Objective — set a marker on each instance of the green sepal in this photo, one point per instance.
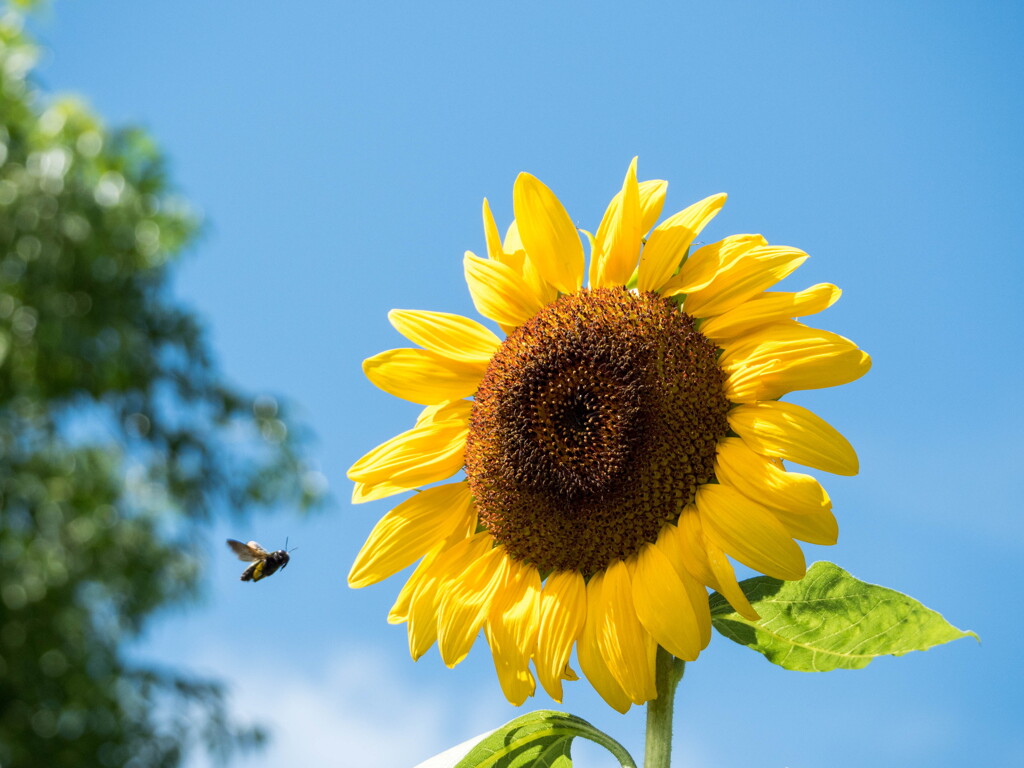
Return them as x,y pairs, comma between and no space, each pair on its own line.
830,620
541,739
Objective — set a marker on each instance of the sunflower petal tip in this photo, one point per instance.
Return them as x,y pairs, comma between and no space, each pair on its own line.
847,464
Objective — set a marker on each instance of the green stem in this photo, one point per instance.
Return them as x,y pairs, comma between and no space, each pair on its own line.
668,673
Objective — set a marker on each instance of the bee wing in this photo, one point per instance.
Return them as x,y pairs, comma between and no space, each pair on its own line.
247,552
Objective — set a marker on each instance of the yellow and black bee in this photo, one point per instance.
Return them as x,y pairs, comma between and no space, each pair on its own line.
263,563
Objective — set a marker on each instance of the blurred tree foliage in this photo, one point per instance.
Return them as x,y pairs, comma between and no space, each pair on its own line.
118,440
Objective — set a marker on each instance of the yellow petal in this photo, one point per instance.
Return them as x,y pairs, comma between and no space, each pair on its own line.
499,293
667,244
698,595
513,242
703,265
548,234
450,409
399,612
742,279
424,604
728,587
423,376
818,528
787,431
622,640
749,532
748,383
363,492
511,630
455,337
687,554
716,571
787,356
591,660
465,600
491,234
531,274
618,237
416,457
683,543
768,308
409,531
652,200
762,480
515,257
713,566
563,611
663,606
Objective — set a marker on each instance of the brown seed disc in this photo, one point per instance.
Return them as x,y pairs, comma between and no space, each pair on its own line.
593,426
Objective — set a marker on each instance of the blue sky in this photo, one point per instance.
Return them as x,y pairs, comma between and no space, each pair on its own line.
339,154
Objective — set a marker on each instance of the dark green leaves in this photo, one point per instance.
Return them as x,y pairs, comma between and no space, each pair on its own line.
830,620
540,739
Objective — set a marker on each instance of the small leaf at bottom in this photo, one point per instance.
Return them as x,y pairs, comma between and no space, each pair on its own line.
540,739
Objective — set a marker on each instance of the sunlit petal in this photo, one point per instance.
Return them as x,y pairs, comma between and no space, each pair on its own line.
548,234
456,337
788,431
668,243
499,293
409,531
563,612
618,239
423,376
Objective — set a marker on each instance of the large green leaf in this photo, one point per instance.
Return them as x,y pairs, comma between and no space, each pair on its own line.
539,740
830,620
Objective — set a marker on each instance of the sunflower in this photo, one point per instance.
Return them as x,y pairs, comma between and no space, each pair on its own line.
623,441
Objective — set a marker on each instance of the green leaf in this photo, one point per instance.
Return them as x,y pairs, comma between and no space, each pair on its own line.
555,756
830,620
540,739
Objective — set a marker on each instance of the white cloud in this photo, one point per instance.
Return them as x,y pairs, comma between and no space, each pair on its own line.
356,713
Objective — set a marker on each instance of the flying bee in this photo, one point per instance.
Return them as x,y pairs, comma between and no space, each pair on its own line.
263,563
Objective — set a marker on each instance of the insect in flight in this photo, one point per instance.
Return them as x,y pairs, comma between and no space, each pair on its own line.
263,563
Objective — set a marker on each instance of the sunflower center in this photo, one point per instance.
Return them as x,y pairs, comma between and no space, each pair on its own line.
594,424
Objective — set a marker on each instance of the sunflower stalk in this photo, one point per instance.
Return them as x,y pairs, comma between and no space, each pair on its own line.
668,672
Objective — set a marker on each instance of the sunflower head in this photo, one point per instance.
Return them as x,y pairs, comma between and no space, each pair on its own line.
594,421
620,444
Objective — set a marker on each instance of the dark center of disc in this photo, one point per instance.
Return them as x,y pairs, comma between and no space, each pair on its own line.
593,426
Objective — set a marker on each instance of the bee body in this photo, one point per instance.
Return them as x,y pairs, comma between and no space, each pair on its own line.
263,563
